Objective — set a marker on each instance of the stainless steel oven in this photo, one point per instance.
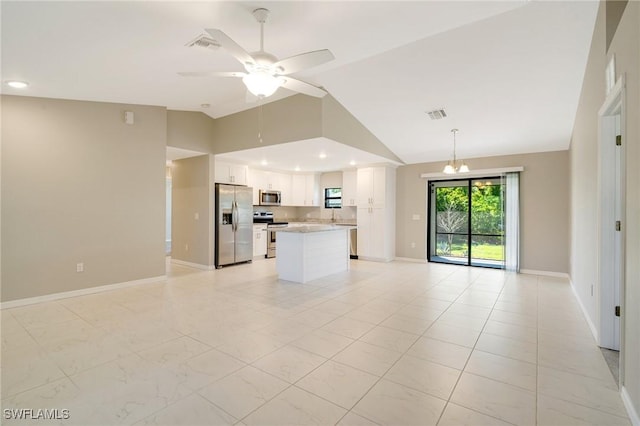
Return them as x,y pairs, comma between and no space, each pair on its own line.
270,198
271,237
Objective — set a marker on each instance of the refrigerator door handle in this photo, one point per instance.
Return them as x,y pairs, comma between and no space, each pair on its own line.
234,216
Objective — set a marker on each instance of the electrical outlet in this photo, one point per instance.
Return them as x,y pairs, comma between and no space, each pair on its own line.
196,216
186,247
415,217
308,214
80,267
413,245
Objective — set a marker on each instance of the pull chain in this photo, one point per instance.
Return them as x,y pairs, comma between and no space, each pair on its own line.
260,123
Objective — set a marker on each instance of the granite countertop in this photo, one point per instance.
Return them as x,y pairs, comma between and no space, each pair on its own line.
313,228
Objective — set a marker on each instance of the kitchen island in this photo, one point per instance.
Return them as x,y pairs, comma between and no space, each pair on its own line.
306,253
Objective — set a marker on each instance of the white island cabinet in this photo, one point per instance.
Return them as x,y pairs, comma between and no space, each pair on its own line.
306,253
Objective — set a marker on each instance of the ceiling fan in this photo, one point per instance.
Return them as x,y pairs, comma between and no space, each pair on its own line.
264,72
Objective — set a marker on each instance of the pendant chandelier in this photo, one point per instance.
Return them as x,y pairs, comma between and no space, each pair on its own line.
452,166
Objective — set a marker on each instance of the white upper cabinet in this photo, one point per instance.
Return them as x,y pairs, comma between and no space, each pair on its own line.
268,180
304,190
231,173
349,188
372,186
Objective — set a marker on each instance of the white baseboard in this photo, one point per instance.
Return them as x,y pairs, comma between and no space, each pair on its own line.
193,265
585,313
411,259
81,292
628,404
544,273
375,259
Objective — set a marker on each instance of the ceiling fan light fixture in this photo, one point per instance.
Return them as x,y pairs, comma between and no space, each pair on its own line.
261,83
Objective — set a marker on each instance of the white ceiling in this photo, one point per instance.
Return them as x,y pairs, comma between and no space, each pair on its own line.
508,73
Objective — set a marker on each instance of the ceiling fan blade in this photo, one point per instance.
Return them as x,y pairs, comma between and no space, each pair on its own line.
231,46
212,74
303,61
302,87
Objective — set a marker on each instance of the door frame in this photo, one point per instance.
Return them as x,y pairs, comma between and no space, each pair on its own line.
431,227
611,243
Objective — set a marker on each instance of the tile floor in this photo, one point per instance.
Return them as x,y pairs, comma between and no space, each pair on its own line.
397,344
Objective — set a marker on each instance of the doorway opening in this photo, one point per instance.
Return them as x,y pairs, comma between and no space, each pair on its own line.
611,233
467,222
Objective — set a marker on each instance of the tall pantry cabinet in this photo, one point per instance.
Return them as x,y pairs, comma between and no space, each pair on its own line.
376,213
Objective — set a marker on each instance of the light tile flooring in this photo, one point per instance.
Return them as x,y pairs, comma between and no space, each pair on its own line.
398,344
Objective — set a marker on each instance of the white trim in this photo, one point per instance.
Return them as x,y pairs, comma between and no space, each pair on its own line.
411,259
193,265
628,404
76,293
473,173
612,98
545,273
610,248
585,313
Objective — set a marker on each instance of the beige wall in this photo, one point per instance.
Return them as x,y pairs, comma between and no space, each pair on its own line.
192,193
341,126
583,153
190,130
80,185
290,119
544,193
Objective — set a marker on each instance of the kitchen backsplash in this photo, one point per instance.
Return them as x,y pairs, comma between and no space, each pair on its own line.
310,214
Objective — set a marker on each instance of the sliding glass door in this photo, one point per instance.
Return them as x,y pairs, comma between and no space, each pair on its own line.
466,222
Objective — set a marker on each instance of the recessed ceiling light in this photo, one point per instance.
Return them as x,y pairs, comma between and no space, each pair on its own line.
352,163
205,105
17,84
264,162
297,169
323,155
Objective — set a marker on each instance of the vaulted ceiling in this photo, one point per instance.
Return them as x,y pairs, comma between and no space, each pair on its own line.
508,73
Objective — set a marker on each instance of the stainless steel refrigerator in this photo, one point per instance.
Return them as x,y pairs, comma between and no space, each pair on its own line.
234,224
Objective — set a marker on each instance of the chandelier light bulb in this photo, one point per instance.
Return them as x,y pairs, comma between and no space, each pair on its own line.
449,169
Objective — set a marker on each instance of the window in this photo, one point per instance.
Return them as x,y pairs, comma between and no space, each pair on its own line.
332,198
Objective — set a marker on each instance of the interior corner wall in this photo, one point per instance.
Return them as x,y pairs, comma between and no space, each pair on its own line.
625,45
291,119
190,130
544,206
191,215
341,126
80,186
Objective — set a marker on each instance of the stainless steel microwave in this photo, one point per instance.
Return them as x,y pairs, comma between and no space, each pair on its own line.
270,198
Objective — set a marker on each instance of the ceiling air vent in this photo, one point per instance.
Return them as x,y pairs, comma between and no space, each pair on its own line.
204,41
437,114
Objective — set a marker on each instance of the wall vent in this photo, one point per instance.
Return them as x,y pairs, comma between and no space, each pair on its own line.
204,41
437,114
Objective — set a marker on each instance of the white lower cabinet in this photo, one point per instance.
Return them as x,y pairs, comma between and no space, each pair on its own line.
374,239
259,240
